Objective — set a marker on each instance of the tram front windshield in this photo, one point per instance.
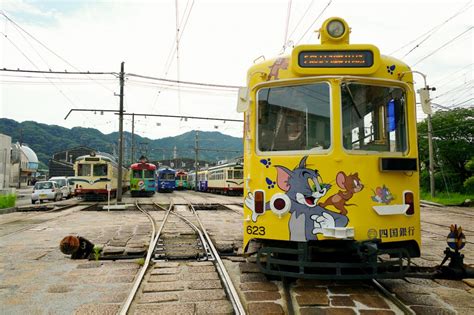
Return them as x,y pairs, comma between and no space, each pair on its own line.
294,118
373,118
298,118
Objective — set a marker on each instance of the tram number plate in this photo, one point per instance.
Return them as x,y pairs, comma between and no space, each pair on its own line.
256,230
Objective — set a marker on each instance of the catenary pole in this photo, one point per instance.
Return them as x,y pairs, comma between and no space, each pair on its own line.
120,159
132,159
196,166
426,107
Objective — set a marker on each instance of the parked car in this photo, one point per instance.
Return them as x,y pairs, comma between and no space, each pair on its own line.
65,185
47,190
72,185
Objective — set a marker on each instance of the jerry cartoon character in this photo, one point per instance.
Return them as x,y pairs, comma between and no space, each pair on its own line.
350,184
280,63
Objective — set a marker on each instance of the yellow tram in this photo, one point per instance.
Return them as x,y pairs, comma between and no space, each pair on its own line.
330,161
96,174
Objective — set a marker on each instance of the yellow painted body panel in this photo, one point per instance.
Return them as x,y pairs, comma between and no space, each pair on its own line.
260,173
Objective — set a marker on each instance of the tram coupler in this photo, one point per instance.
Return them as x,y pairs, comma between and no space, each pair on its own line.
456,269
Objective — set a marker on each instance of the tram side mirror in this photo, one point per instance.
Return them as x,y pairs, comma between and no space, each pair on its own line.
243,101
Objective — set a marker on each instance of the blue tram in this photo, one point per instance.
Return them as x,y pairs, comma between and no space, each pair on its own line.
165,179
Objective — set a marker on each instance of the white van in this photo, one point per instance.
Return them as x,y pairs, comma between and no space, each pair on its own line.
64,185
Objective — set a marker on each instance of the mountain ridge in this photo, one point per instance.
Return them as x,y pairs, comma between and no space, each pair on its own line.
46,140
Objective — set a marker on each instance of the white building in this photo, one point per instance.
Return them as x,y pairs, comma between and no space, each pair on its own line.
5,161
24,162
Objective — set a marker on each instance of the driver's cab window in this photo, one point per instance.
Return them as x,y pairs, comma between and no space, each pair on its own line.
294,118
373,117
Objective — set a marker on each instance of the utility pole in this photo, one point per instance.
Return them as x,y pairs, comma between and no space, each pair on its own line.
196,149
426,107
120,160
19,158
133,140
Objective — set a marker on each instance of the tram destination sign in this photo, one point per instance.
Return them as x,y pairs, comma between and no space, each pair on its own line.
336,59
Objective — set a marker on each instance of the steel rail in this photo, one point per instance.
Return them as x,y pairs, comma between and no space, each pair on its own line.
405,309
201,236
229,286
154,239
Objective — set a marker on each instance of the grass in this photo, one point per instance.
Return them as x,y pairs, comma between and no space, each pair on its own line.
7,201
451,199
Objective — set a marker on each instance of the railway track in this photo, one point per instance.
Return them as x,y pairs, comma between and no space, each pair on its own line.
179,248
15,226
392,298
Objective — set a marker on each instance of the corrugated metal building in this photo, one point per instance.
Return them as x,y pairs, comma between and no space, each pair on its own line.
62,162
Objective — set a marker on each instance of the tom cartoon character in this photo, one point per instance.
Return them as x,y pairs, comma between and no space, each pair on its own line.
350,184
303,189
382,195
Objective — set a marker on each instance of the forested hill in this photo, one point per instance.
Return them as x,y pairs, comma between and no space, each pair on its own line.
46,140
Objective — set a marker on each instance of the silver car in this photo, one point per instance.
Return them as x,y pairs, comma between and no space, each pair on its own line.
64,186
47,190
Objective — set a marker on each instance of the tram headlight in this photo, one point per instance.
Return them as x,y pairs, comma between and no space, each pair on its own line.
335,28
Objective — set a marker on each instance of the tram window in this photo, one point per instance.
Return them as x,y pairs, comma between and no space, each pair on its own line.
84,170
294,118
137,174
167,176
373,118
148,174
100,170
238,174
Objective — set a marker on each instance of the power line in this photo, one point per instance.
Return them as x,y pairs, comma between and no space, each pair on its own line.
442,46
58,72
432,31
43,77
169,59
301,19
459,104
18,48
455,89
47,48
127,74
317,18
183,82
175,86
287,24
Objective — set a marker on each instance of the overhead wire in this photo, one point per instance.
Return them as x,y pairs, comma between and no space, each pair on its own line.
183,82
169,59
442,46
301,19
454,89
452,73
34,65
288,15
47,48
314,22
171,55
432,31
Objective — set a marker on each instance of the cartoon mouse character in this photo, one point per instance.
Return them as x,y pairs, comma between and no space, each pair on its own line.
304,190
351,184
280,63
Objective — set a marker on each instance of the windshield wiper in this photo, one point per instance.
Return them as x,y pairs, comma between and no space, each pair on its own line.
352,99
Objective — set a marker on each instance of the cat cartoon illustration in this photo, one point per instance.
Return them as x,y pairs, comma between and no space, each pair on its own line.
382,195
303,189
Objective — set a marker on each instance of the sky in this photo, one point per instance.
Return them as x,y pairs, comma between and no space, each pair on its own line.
218,42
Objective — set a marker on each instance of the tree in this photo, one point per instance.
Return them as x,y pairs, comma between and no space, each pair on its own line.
453,147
